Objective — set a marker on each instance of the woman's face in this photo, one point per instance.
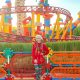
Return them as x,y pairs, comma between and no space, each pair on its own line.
38,40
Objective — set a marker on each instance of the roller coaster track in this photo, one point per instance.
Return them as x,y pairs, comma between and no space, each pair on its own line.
29,9
5,37
20,17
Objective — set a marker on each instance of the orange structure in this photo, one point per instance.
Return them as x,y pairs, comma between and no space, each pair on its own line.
66,72
2,73
26,23
67,58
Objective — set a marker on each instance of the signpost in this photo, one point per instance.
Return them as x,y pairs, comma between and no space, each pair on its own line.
21,65
66,72
66,58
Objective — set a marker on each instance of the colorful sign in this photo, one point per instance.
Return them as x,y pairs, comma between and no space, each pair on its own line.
21,65
62,72
66,58
2,73
2,59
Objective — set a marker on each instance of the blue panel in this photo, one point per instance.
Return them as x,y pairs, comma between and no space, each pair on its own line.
22,52
7,1
46,4
55,78
67,78
55,65
67,65
73,27
2,79
77,65
47,22
8,17
50,32
77,79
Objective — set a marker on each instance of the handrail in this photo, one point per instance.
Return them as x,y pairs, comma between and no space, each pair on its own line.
66,51
52,52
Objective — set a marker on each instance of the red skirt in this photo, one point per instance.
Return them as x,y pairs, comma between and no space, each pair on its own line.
40,59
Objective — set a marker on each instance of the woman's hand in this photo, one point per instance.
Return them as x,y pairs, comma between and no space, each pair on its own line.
42,54
35,61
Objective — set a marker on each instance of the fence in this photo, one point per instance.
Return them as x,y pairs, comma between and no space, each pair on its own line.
64,65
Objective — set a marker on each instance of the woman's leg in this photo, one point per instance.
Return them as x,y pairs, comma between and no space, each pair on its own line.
43,68
37,71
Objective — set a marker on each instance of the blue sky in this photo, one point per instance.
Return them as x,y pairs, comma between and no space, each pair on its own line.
72,5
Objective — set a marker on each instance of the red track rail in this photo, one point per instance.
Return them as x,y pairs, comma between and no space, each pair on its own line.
6,37
27,9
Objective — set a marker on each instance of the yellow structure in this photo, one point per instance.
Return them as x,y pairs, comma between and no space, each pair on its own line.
38,18
33,24
5,23
51,52
79,14
58,32
2,23
57,27
4,27
69,25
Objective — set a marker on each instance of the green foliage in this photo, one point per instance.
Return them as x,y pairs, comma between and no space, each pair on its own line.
56,46
76,31
17,47
65,46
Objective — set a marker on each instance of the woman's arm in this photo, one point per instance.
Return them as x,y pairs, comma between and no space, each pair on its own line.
33,54
45,48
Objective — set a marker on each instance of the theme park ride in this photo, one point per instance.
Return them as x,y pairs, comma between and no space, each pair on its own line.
31,25
18,65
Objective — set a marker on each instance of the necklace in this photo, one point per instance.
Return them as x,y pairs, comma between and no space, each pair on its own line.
39,47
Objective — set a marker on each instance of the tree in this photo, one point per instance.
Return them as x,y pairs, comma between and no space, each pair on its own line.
76,31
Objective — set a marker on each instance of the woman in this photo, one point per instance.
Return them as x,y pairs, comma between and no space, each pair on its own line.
39,50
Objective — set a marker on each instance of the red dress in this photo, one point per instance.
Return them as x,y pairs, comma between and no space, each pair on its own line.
9,78
39,50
